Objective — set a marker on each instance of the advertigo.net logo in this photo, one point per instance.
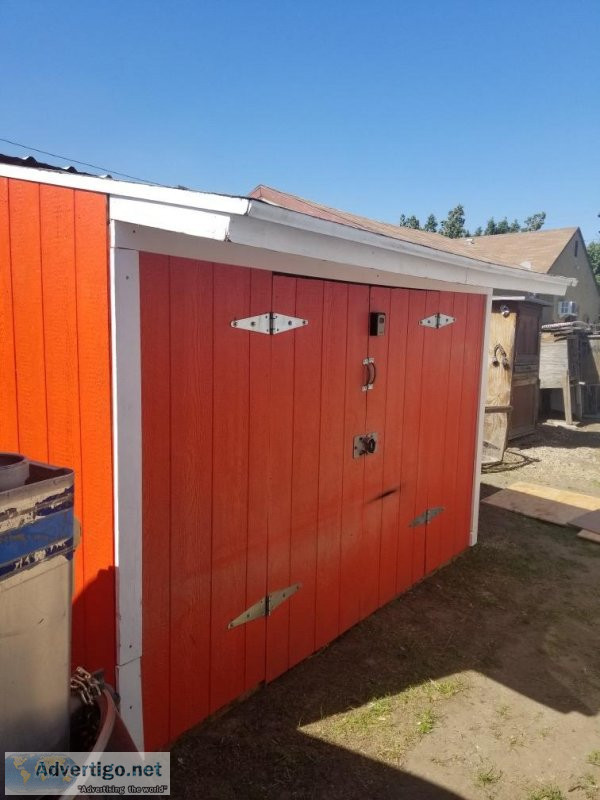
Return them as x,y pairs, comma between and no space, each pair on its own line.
87,773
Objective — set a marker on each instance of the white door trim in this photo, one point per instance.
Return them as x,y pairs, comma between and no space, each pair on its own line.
127,469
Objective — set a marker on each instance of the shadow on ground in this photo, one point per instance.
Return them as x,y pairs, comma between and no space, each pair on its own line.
552,435
520,608
512,460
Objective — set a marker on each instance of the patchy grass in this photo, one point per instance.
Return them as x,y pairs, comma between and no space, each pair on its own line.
594,758
588,785
445,688
362,719
548,792
487,776
427,721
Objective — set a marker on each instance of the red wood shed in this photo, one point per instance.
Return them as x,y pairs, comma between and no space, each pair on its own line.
273,410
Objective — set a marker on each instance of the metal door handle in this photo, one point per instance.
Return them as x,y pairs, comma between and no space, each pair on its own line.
369,363
373,373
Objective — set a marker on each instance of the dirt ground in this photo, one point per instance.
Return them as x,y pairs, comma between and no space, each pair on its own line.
556,454
481,682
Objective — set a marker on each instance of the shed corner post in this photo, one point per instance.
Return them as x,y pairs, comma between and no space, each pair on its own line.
127,460
480,419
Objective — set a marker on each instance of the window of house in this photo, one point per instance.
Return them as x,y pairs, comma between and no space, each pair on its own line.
576,247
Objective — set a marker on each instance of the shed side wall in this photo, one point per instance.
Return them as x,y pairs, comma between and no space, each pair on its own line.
55,402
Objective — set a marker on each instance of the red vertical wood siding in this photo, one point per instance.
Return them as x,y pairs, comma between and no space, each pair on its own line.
55,403
332,446
392,455
190,482
355,412
411,541
231,411
279,459
250,484
305,469
258,478
155,324
377,347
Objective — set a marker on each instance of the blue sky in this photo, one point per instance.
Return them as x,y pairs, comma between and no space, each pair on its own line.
376,107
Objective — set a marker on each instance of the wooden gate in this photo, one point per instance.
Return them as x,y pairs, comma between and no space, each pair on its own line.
254,498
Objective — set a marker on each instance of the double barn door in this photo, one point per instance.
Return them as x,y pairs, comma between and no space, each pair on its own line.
265,534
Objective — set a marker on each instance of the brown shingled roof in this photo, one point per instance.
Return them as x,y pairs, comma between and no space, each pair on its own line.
539,248
436,241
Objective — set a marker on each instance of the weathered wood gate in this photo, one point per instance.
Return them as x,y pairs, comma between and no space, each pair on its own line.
256,500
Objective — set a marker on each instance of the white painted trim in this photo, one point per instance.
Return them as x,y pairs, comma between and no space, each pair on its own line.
129,681
152,240
290,232
258,224
480,419
191,221
185,198
127,466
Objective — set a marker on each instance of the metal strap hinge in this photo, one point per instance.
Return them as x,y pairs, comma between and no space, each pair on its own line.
265,606
437,320
270,323
426,516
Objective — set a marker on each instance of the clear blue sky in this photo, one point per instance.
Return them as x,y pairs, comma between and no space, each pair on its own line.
376,107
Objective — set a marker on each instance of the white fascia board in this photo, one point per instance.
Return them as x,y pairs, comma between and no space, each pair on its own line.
184,198
274,228
191,221
153,240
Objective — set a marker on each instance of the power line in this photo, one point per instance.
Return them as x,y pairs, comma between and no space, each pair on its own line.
75,161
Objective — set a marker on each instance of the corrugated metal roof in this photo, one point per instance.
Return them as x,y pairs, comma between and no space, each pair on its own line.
30,161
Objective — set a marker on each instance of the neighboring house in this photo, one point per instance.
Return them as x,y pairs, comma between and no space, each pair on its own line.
560,251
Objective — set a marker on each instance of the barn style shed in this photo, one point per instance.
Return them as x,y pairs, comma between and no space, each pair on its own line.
274,420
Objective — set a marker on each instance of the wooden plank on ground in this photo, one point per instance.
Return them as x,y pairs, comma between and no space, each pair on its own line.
590,521
590,536
558,506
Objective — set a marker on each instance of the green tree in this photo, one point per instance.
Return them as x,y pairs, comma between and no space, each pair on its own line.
534,222
431,225
593,250
454,225
409,222
503,226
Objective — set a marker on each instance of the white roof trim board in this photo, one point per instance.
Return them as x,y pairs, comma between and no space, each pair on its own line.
257,224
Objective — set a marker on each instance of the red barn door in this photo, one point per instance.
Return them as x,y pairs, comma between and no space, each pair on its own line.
266,533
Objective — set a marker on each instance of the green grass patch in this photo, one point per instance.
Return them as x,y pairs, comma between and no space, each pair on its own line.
594,758
426,721
366,717
487,776
548,792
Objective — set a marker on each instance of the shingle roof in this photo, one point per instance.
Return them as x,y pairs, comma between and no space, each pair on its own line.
537,249
434,240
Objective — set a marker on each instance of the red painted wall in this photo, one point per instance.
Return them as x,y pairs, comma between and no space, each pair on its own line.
249,483
55,401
